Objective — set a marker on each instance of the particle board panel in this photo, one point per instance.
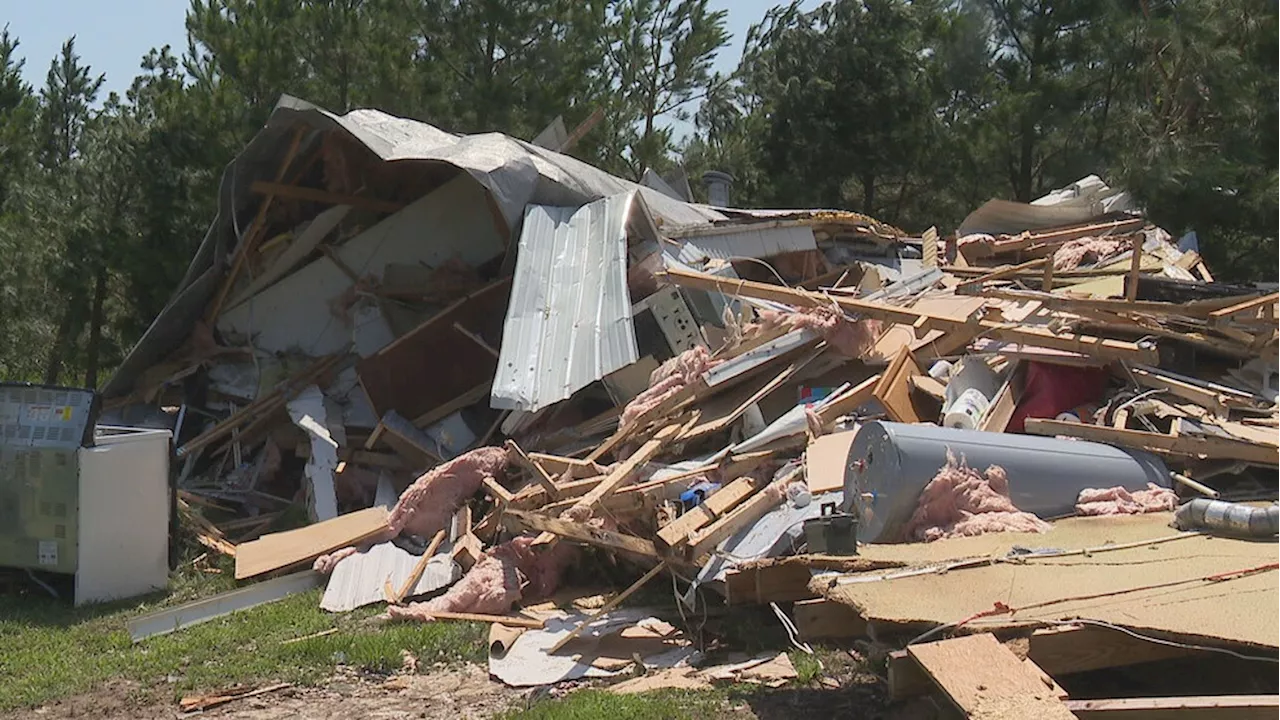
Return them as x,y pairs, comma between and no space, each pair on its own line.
285,549
825,461
986,680
427,367
1218,707
1147,583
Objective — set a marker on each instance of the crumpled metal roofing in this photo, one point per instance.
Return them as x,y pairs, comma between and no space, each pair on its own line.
515,173
569,319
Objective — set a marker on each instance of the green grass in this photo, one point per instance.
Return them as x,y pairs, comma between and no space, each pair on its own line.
657,705
50,650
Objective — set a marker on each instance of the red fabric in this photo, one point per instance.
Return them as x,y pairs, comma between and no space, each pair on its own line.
1052,389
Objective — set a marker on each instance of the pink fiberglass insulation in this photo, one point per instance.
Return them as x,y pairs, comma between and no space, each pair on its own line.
671,377
960,501
507,574
849,337
1074,253
326,563
427,505
1118,501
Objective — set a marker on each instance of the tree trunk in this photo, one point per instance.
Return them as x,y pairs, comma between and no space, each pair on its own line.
94,346
63,340
869,195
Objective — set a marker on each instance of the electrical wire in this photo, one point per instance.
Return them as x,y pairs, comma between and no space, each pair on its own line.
1161,641
793,633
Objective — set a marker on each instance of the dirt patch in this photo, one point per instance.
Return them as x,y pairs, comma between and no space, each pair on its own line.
444,694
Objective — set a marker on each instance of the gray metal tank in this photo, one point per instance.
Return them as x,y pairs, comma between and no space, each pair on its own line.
890,463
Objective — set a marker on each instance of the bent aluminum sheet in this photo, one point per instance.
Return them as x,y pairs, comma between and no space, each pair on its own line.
569,321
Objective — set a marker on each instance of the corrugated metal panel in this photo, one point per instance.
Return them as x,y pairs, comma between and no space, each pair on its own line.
569,322
751,242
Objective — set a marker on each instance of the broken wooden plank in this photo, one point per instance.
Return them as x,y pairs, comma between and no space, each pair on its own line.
848,401
984,679
419,567
704,541
1246,306
894,389
614,602
508,620
1081,648
624,471
677,532
582,532
1212,707
298,192
539,474
1214,448
1014,333
286,549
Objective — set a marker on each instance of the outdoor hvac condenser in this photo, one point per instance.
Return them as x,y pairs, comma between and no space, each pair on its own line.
82,500
890,463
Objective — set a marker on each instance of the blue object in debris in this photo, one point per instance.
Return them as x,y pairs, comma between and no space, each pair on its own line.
694,496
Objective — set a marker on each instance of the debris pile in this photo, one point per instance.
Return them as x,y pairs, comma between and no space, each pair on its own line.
525,366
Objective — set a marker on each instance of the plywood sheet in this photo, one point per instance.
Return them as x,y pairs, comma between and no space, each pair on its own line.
1156,586
986,680
285,549
825,461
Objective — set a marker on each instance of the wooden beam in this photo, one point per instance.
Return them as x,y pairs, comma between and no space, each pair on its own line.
851,400
1081,648
470,397
970,287
1135,270
1246,306
984,679
704,541
677,531
297,192
614,602
622,473
539,474
253,235
583,533
1204,397
1013,333
508,620
420,567
1213,707
1208,447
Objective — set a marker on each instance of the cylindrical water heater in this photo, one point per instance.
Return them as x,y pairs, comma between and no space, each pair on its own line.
890,463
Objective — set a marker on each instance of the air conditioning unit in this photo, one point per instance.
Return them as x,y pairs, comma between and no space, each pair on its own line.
82,500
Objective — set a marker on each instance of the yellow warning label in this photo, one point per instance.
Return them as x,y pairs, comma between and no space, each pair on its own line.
66,414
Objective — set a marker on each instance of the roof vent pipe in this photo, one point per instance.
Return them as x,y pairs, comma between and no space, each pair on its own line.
718,185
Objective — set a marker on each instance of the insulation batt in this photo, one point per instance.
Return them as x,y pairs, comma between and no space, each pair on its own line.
1072,254
850,338
960,501
429,504
1118,501
507,574
670,377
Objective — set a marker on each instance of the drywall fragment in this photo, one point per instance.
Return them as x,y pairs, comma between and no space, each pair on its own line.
308,411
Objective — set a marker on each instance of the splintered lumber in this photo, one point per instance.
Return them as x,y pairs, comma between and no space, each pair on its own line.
500,494
582,532
420,567
704,541
677,531
984,679
285,549
613,603
557,465
1212,707
1076,343
1081,648
539,474
972,286
1246,306
254,234
1207,447
894,389
508,620
623,472
1204,397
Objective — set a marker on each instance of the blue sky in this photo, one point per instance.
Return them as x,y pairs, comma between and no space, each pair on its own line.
113,35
